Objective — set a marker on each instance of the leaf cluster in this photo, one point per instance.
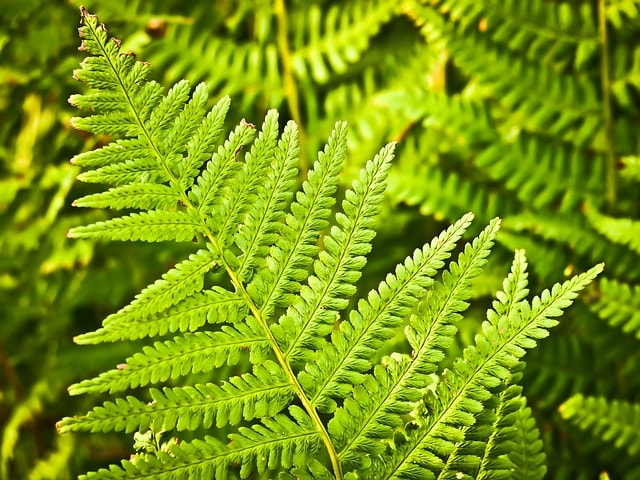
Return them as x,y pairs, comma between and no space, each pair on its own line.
270,287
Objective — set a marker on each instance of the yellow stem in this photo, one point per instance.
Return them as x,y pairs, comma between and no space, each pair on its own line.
605,71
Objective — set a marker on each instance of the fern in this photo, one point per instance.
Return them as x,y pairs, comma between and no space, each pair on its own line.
270,288
612,421
332,39
534,119
618,305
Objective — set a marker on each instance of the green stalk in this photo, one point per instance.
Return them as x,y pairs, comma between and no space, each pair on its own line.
607,115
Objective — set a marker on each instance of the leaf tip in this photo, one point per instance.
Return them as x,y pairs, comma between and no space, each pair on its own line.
60,426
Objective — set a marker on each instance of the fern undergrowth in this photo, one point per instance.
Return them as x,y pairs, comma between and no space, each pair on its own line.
268,290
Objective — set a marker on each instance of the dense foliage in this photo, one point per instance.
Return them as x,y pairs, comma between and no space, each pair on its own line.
523,110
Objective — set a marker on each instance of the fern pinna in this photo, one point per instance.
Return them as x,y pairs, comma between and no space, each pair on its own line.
269,285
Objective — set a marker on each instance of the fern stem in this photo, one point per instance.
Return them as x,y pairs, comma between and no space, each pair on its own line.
605,75
289,80
306,402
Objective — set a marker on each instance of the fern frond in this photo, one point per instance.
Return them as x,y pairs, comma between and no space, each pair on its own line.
205,194
261,225
503,443
471,457
341,364
264,393
623,231
430,332
126,172
619,305
271,283
528,457
149,226
119,151
279,442
294,249
461,393
614,421
202,143
337,37
143,196
496,426
247,187
192,353
177,284
482,454
309,319
134,160
210,306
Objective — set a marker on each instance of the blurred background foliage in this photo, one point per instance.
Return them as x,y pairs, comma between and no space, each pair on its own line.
525,110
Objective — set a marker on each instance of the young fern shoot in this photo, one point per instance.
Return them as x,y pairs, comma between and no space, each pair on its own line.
313,400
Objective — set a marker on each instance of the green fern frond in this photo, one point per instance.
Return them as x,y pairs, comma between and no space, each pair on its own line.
178,284
309,319
295,248
341,363
203,141
498,424
619,305
527,458
269,291
514,446
539,173
264,393
151,226
623,231
192,353
483,453
404,379
460,395
208,188
280,441
143,196
260,228
210,306
614,421
337,37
